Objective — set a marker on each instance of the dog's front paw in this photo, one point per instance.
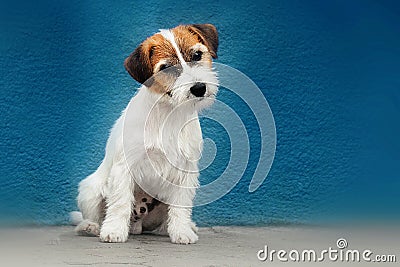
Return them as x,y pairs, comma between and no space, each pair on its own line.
113,236
188,236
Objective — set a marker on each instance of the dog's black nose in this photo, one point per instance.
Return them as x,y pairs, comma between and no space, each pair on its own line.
199,89
142,209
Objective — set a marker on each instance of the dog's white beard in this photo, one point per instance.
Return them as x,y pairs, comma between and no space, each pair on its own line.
181,89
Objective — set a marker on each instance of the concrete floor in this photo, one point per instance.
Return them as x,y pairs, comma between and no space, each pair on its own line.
217,246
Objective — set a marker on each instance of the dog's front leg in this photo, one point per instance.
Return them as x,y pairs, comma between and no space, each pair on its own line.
119,201
180,223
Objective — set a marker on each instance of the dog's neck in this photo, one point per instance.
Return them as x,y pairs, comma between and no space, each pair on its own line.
175,131
160,112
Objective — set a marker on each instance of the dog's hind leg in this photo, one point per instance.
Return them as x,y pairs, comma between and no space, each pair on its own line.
136,227
88,228
162,229
91,203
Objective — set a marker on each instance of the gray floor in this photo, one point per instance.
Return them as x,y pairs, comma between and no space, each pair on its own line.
218,246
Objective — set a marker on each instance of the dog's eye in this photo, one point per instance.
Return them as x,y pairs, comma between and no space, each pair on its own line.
197,56
163,67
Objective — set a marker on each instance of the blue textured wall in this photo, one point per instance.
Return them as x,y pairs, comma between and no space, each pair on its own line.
329,69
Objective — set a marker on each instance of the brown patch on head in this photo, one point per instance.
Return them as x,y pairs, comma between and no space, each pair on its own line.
208,36
145,61
142,62
161,49
188,36
138,63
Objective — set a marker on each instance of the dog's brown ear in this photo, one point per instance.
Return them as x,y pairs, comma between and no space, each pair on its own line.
138,64
208,35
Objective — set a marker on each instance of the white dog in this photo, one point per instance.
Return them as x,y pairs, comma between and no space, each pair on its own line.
156,143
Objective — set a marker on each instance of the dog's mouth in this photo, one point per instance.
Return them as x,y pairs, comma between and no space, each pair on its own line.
190,96
209,96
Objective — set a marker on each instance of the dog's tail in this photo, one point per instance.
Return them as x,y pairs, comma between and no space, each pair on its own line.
75,217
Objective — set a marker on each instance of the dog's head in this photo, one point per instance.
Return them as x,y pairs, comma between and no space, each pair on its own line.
177,64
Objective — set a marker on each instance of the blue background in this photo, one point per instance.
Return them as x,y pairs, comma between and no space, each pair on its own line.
330,71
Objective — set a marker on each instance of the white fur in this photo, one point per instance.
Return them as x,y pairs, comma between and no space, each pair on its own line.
155,144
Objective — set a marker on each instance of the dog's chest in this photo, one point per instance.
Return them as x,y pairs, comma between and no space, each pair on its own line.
175,142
